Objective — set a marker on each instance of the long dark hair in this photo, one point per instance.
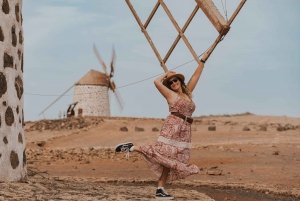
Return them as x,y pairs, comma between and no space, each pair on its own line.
184,88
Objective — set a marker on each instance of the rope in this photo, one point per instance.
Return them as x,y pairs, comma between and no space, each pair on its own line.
161,73
224,9
132,82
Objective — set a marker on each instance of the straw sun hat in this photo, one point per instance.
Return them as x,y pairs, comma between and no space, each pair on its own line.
171,75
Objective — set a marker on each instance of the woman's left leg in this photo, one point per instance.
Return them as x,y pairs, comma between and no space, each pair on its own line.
160,191
163,179
136,148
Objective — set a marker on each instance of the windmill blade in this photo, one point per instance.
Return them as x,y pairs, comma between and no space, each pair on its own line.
56,99
100,59
112,86
117,95
119,99
113,62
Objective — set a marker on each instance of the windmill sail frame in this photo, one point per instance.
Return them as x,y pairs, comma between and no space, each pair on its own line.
209,9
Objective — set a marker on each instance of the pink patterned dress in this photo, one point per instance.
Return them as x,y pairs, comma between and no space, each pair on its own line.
173,146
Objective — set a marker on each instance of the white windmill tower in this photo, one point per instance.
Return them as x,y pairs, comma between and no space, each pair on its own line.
91,92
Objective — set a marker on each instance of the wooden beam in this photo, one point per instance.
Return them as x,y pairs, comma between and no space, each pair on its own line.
147,35
152,14
236,11
213,14
179,31
229,22
179,36
214,45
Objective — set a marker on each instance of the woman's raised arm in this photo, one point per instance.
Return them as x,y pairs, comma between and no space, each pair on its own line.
195,77
165,91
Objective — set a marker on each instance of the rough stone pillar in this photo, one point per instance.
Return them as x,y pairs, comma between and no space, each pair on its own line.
12,139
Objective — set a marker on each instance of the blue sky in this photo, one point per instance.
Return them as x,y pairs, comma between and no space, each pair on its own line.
256,68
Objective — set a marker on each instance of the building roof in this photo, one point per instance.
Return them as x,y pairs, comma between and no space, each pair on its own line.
93,77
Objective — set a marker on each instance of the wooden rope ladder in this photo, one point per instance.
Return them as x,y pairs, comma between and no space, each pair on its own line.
209,9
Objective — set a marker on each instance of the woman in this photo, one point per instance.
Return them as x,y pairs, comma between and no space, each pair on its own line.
169,158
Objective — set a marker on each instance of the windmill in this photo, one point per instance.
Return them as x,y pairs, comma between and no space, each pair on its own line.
111,83
91,92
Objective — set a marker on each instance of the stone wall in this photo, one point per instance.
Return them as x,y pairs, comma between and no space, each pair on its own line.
12,139
92,99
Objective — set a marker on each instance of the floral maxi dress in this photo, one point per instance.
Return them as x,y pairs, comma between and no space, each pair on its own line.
173,146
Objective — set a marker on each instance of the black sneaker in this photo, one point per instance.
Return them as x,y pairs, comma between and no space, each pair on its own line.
163,195
124,147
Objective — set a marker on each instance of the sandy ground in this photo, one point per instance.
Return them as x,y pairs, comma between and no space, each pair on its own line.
235,164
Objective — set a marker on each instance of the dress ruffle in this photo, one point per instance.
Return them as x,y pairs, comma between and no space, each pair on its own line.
165,155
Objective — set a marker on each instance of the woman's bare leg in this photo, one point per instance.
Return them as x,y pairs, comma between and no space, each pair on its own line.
136,148
164,176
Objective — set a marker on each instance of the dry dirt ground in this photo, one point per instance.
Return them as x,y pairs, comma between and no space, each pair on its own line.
260,164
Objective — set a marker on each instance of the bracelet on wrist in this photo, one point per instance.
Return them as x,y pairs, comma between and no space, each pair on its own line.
203,61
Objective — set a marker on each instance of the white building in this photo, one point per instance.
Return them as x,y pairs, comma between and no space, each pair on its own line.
91,93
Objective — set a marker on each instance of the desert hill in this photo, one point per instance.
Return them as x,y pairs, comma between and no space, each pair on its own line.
107,131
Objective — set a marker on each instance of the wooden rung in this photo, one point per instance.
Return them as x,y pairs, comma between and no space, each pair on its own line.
213,14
